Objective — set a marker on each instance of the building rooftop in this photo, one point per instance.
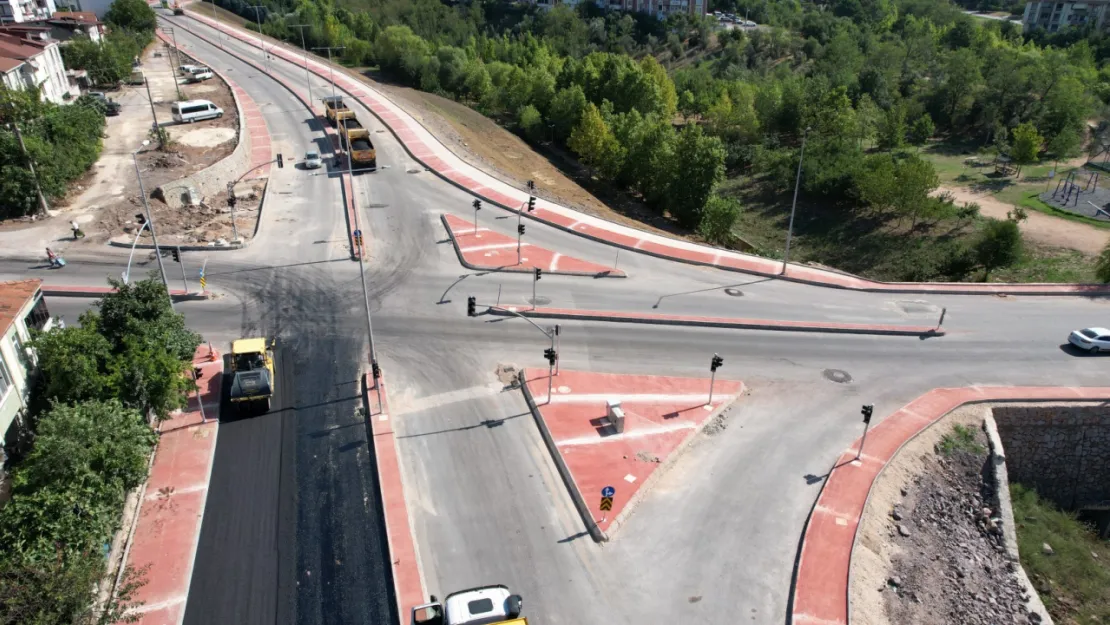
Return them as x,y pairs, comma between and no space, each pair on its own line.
85,17
14,295
7,65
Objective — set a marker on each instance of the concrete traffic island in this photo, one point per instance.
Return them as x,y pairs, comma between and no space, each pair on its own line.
482,249
598,449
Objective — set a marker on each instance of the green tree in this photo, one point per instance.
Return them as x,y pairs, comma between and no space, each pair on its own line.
1026,145
58,589
566,110
1102,265
698,165
594,142
133,15
717,220
892,128
921,130
74,365
998,245
532,123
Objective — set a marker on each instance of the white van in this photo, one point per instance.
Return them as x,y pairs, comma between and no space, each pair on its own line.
194,111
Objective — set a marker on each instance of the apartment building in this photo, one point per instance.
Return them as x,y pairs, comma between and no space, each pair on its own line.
22,310
30,58
659,8
25,10
1055,16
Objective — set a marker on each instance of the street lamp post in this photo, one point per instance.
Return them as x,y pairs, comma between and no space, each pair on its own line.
150,220
138,235
331,68
307,74
261,45
173,70
794,205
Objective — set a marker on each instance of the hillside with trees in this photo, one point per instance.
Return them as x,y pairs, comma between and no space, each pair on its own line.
693,120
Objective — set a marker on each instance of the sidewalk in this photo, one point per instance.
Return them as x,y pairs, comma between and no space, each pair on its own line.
821,575
427,150
168,525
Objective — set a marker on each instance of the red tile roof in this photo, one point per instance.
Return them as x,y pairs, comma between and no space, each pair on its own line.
14,296
7,65
87,17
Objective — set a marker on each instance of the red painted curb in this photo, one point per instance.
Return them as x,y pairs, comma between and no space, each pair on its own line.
820,593
688,253
97,291
721,322
408,581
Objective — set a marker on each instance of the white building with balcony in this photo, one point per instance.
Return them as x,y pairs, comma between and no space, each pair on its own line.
35,60
22,311
1056,16
25,10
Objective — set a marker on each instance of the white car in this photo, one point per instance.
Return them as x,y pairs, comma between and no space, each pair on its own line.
1093,340
312,160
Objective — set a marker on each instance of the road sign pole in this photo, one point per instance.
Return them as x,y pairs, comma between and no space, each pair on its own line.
200,400
712,379
181,262
866,411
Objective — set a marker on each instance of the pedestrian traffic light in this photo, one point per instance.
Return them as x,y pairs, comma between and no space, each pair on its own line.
477,205
376,369
539,272
141,218
551,355
716,362
471,306
520,229
176,253
531,203
280,162
866,412
197,372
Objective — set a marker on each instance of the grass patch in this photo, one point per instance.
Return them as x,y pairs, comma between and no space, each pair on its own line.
961,438
1073,582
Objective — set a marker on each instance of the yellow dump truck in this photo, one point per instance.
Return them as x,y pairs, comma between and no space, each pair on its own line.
335,109
252,375
486,605
356,139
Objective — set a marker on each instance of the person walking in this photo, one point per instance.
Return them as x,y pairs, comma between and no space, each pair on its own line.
77,232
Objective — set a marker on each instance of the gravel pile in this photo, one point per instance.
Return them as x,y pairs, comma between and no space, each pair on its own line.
952,567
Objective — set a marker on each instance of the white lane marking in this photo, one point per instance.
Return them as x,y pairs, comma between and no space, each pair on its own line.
555,262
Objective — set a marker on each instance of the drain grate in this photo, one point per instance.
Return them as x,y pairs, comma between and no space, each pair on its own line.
538,301
734,292
839,376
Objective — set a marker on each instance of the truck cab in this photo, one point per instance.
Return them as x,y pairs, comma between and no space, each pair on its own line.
486,605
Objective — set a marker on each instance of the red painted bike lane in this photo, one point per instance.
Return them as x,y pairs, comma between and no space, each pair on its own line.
168,525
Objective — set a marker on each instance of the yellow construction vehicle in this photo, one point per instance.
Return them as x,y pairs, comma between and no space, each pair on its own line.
252,375
486,605
335,109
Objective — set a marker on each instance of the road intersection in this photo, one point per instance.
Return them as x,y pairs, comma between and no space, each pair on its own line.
293,529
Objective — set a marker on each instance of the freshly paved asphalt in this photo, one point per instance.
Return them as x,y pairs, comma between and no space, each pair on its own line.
292,531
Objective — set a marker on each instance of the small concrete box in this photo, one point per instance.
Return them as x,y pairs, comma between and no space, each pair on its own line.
615,415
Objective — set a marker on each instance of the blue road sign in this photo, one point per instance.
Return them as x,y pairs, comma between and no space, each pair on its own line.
358,233
608,491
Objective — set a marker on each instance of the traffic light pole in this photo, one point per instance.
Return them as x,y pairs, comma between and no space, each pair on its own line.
150,221
535,279
181,262
712,380
231,205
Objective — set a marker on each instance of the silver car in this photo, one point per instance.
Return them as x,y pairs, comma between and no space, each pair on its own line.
312,160
1093,340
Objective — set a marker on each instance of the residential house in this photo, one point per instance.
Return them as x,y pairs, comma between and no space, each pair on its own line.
1056,16
25,10
61,27
96,7
22,310
32,59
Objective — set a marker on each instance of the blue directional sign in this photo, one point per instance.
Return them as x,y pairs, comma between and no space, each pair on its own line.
608,491
358,233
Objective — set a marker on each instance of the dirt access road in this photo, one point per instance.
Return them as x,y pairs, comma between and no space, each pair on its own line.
1042,229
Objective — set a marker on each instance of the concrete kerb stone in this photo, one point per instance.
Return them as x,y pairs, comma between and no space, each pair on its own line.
564,472
663,468
519,269
750,324
1006,512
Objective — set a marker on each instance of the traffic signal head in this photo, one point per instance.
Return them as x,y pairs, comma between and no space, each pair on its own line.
141,218
477,205
520,228
176,253
280,162
531,203
539,272
716,362
551,355
531,185
197,372
376,369
231,200
471,306
866,412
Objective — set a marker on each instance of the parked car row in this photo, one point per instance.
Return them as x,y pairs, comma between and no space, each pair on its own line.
732,18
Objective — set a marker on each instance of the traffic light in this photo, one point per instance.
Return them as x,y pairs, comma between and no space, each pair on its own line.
539,272
280,162
551,355
197,372
531,185
477,205
716,362
176,253
531,203
520,229
376,369
866,412
141,218
471,306
231,200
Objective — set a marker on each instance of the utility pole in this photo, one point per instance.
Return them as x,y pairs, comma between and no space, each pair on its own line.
43,206
794,205
261,45
150,220
307,74
331,68
153,114
173,72
231,205
216,18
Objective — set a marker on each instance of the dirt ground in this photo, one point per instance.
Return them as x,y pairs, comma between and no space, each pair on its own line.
107,198
926,552
1039,228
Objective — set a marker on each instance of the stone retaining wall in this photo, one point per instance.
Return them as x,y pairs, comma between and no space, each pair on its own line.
1061,451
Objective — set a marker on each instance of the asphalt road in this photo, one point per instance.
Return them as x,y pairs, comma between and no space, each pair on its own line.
292,530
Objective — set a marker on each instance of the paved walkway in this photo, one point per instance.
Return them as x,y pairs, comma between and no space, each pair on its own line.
822,573
662,416
427,150
833,327
170,514
408,579
484,249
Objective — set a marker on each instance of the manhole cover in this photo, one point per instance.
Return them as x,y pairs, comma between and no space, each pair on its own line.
734,292
837,375
917,307
539,301
377,205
